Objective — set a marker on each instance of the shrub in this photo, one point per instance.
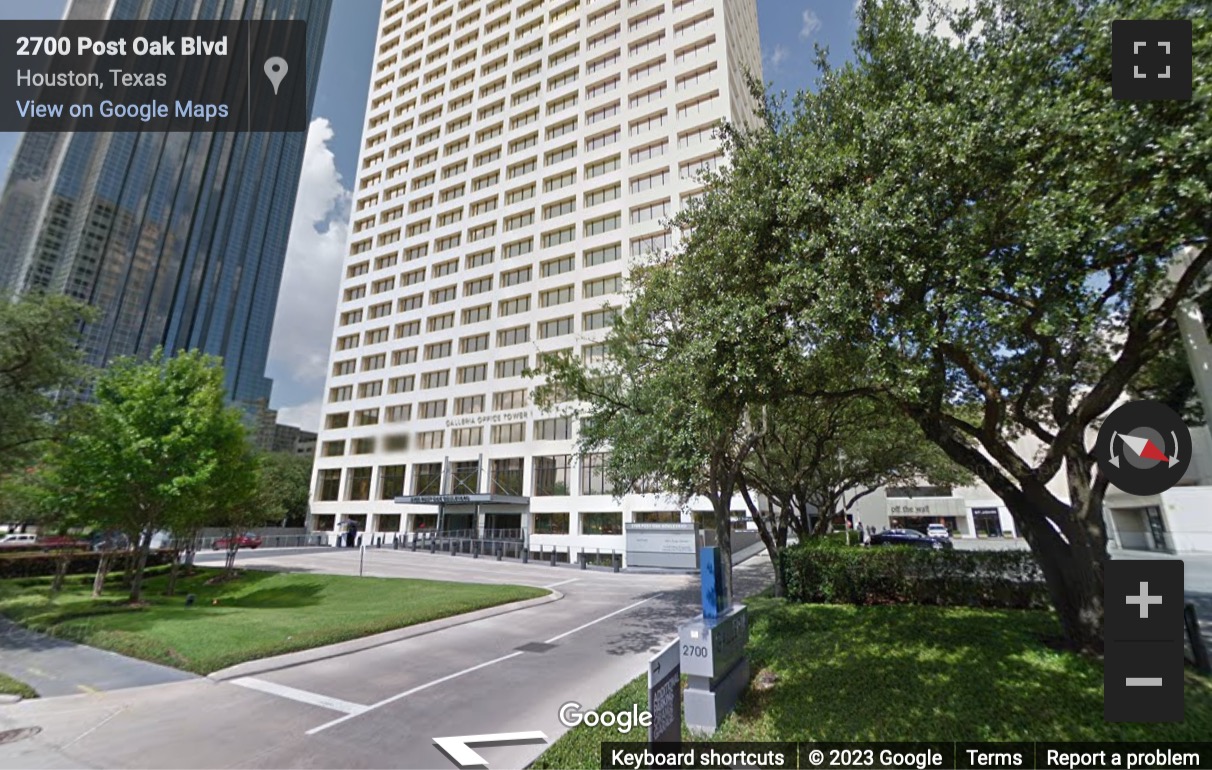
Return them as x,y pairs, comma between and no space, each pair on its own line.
38,564
823,573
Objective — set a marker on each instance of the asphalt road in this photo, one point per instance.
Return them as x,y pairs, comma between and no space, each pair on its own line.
383,706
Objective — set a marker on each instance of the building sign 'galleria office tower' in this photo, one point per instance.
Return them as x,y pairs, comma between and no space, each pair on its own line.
517,155
177,238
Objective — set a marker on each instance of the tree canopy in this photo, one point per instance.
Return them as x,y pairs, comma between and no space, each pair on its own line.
982,237
40,369
156,447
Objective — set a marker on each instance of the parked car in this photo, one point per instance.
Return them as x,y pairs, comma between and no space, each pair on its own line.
19,540
109,541
909,537
247,540
62,541
939,531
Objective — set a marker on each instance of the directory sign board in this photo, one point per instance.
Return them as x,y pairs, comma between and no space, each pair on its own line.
668,545
665,695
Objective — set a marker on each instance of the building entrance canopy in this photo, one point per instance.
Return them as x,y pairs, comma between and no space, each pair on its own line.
444,500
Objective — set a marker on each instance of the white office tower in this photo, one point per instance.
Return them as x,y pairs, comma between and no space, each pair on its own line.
518,155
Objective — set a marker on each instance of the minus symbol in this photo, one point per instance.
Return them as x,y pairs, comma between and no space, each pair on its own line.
1144,681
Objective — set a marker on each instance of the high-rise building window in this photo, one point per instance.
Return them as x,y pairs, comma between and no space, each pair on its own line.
553,429
551,523
512,367
391,481
605,523
593,475
329,484
508,399
552,475
427,478
507,476
467,437
359,483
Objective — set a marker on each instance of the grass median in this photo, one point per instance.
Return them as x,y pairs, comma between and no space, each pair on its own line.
906,673
10,686
255,616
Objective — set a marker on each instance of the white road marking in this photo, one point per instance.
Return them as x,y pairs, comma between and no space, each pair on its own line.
592,622
416,689
458,747
303,696
562,582
458,674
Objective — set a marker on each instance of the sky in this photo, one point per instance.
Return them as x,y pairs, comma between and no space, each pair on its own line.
298,354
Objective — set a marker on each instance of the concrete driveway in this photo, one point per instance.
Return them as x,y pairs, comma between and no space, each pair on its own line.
383,706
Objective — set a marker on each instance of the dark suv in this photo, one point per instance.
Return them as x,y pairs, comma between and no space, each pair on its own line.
910,537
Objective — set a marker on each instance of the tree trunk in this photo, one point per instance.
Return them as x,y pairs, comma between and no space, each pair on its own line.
768,525
140,563
824,516
172,573
62,560
1073,570
102,570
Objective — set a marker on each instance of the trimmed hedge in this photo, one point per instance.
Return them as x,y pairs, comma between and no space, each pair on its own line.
822,573
39,564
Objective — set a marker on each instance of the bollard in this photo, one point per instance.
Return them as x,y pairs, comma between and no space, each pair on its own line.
525,555
614,560
359,542
553,556
433,545
1199,650
500,551
475,549
454,547
584,561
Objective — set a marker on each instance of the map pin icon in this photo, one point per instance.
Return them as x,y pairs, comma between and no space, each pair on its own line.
275,70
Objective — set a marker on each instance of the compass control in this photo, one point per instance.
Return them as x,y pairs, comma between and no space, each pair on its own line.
1143,448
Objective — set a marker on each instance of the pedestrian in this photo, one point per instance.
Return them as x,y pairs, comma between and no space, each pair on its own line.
352,538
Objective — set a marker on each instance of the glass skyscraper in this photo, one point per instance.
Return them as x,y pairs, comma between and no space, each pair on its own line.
178,239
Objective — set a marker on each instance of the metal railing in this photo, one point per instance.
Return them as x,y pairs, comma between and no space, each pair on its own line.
311,540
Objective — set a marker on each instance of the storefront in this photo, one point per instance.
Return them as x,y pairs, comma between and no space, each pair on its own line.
919,512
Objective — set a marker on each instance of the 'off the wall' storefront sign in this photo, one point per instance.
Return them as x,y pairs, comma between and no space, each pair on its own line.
925,506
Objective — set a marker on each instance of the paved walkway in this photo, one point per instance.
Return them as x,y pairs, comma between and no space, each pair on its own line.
57,667
383,706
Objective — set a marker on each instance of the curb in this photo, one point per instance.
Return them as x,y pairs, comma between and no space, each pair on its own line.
303,657
8,699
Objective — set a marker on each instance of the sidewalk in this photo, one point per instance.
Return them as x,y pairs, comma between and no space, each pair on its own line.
57,667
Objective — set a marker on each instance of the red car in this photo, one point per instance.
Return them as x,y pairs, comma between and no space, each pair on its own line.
61,541
247,540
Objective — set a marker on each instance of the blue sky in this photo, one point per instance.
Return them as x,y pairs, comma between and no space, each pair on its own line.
302,329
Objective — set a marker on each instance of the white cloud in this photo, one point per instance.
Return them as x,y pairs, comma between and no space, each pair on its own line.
298,350
306,416
811,24
778,56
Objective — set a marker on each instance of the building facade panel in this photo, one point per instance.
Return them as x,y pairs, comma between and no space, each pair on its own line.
519,156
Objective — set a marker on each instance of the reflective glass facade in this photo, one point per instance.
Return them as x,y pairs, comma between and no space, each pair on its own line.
177,238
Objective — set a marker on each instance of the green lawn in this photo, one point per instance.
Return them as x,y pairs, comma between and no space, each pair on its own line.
10,686
258,615
896,673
